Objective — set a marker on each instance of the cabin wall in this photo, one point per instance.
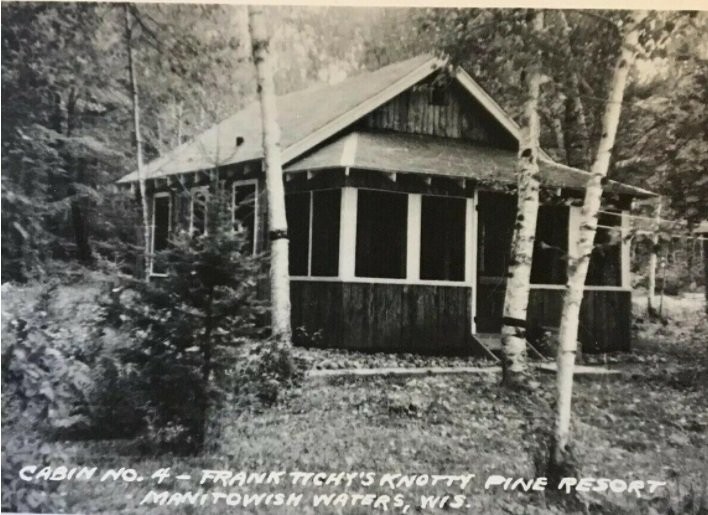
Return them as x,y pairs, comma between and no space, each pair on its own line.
460,116
605,315
379,317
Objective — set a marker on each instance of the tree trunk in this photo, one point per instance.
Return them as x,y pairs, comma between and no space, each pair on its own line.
651,288
518,284
576,155
578,263
704,257
138,142
277,222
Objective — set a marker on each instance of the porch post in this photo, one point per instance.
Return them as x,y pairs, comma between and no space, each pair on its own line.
413,237
471,256
347,233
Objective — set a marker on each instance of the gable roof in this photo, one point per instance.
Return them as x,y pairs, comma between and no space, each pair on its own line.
309,117
398,152
306,118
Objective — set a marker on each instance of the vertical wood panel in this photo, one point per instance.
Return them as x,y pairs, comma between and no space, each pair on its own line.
384,317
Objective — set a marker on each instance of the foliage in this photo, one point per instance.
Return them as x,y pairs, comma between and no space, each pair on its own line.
178,324
46,381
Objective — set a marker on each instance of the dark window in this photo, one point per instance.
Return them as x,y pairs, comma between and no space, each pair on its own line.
605,261
551,246
325,232
161,231
496,213
297,207
198,220
442,238
439,94
381,234
245,205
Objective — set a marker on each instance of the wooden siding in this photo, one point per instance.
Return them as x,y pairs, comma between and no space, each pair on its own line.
605,315
374,317
460,117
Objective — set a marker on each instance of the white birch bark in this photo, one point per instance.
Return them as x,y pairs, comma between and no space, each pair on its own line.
518,284
578,264
275,191
138,143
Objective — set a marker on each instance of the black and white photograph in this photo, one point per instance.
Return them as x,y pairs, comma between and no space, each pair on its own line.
354,259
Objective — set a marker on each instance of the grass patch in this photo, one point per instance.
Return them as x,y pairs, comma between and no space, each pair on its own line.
651,422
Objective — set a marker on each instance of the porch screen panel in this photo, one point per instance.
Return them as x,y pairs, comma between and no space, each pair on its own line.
606,260
161,231
325,233
497,212
442,238
551,246
381,232
297,211
245,212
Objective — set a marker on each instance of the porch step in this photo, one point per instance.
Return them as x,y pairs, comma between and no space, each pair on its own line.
491,341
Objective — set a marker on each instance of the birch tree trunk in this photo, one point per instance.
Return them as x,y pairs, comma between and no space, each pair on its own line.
138,142
651,289
518,284
578,263
277,222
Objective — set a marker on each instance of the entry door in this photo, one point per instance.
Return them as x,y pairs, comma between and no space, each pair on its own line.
495,225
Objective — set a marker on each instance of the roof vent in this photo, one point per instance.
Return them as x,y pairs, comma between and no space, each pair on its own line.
239,141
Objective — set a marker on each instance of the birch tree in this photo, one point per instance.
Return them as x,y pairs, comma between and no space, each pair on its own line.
275,191
580,257
133,84
518,285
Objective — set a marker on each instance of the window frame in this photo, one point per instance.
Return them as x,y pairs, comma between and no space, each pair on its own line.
347,232
404,231
192,192
256,204
155,196
310,225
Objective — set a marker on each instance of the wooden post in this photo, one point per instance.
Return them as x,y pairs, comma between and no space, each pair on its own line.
626,255
347,233
471,256
413,237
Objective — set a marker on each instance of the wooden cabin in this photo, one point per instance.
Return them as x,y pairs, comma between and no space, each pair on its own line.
400,204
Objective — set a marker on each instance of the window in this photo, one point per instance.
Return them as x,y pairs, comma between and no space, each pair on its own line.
605,262
442,238
198,211
245,211
438,94
551,246
313,228
161,222
297,211
381,234
324,259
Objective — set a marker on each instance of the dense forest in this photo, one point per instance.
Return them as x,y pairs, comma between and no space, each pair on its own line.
100,362
67,117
